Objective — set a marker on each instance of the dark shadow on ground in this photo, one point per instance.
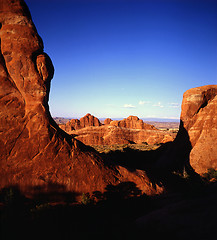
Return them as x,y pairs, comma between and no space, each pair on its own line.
168,166
52,212
121,212
108,215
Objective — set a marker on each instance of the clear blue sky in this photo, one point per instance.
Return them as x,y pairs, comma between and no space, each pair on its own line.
115,58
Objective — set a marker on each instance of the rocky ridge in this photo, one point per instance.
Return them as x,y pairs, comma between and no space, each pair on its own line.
110,135
132,122
128,130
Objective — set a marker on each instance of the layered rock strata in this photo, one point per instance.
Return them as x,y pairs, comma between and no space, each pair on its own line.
90,131
87,121
110,135
132,122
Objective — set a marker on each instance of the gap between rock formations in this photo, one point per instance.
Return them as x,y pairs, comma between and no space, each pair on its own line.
45,155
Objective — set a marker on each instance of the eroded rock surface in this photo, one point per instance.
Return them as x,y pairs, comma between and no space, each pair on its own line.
132,122
199,117
87,121
34,150
109,135
195,144
90,131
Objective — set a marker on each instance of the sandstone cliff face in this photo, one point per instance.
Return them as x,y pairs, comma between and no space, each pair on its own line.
90,131
109,135
132,122
194,146
87,121
34,150
199,108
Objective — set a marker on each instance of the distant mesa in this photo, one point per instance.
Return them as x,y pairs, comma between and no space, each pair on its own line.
132,122
90,131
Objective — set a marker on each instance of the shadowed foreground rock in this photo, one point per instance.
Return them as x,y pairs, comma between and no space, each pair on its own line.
34,150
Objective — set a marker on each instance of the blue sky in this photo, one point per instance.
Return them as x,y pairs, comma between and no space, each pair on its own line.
115,58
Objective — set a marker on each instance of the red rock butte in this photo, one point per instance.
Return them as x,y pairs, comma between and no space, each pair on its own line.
87,121
133,122
195,145
34,150
199,118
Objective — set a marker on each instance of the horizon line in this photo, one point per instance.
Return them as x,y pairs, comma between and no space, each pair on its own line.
120,118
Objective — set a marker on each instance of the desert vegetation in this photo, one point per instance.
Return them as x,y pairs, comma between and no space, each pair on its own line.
210,175
123,147
114,213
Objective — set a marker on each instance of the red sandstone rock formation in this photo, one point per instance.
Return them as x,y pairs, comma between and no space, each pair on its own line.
132,122
195,144
109,135
73,124
129,130
34,150
107,121
199,117
87,121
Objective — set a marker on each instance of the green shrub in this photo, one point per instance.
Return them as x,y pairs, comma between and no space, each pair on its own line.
86,199
11,196
210,174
